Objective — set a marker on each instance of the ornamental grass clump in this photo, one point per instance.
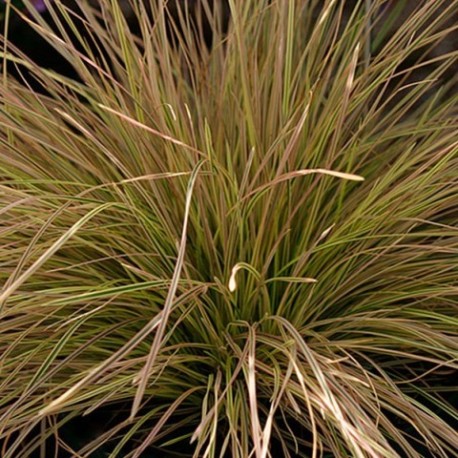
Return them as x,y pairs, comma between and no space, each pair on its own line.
241,248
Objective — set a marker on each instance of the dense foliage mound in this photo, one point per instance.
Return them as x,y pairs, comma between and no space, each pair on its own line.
230,233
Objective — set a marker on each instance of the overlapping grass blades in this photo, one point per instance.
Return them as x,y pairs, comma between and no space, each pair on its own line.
252,248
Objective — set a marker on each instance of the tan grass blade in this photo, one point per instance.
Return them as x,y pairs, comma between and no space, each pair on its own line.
49,252
143,377
151,130
252,396
301,173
